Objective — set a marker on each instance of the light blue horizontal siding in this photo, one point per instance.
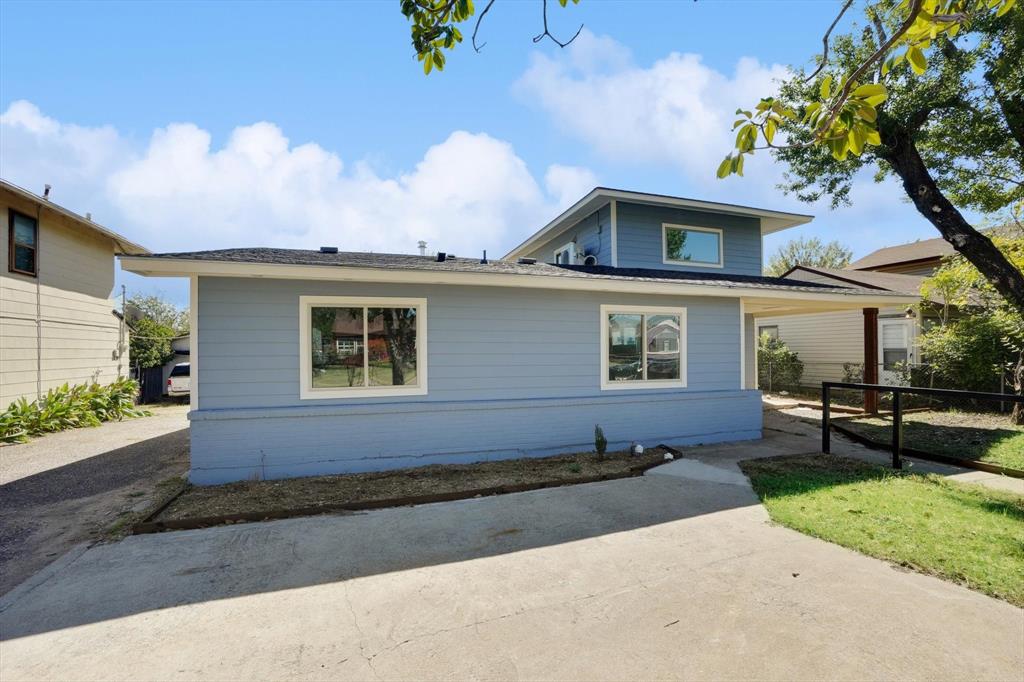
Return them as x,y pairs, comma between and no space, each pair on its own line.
592,236
511,372
638,230
285,442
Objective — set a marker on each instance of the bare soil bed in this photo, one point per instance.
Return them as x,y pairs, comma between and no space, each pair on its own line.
254,497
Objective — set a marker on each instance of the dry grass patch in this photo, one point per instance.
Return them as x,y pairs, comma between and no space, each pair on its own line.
254,497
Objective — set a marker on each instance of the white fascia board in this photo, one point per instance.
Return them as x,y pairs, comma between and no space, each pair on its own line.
771,221
176,267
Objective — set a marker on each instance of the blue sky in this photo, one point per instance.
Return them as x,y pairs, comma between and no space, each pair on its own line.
205,125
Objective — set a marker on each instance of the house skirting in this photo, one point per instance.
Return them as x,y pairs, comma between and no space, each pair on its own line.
270,443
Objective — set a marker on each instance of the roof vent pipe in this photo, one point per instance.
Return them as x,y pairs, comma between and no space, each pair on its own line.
422,245
484,259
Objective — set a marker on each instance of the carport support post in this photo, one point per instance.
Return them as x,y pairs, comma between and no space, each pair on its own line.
871,358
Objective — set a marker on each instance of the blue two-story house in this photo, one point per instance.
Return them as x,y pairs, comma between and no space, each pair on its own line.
630,310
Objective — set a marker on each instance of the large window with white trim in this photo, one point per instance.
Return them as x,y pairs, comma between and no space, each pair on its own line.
362,347
643,347
687,245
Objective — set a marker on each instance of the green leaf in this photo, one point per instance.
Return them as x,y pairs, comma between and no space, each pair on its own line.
1007,6
869,89
917,61
739,165
428,62
769,130
871,136
725,167
826,86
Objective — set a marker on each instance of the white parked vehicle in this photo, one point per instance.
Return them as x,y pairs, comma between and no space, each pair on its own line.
179,382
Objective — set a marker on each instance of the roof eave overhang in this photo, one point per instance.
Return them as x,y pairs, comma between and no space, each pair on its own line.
771,221
123,246
175,267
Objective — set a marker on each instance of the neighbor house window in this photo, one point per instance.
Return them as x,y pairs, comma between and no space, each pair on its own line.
772,331
355,347
23,240
643,347
684,245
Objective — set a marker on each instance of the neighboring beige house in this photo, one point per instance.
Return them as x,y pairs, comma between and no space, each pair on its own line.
826,342
58,322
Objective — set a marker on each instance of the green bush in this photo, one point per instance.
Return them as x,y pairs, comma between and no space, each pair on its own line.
70,407
777,366
600,442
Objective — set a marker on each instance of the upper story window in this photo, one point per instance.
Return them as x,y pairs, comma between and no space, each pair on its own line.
685,245
362,347
643,347
565,255
23,240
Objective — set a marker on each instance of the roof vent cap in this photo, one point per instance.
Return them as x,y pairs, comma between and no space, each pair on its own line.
441,256
527,261
328,249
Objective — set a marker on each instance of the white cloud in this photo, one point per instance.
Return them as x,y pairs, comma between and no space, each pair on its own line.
678,111
179,192
568,183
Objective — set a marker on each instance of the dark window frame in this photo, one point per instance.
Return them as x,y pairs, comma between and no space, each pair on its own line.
11,262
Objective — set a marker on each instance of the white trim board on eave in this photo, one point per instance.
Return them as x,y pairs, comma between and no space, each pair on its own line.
178,267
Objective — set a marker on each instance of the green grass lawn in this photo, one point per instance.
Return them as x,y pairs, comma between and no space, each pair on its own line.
969,534
984,437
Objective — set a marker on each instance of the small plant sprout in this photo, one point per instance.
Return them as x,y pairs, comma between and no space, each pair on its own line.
600,442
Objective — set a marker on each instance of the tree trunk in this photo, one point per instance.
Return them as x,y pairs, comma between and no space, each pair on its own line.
397,373
902,155
1017,415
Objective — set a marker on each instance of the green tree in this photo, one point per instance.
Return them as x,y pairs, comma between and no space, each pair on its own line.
778,367
150,343
161,311
158,321
929,91
987,337
810,252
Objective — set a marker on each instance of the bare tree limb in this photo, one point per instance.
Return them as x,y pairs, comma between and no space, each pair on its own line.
824,41
539,37
477,26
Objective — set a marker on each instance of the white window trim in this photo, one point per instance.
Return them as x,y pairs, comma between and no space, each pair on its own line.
665,227
608,385
306,390
571,246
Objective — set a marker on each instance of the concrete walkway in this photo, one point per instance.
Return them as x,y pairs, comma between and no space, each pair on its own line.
66,488
661,577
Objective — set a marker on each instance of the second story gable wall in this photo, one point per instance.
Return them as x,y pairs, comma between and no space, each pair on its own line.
639,238
592,236
58,326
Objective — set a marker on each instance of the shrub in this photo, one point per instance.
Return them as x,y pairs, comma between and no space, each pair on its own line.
600,442
777,366
70,407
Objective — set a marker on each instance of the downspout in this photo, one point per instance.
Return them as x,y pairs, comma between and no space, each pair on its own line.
39,304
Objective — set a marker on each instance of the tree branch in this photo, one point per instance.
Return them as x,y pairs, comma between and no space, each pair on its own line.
824,41
539,37
915,9
477,26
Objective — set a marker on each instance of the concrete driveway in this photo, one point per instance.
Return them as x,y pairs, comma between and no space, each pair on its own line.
660,577
66,488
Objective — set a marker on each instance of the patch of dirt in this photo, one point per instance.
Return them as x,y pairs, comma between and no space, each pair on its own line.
314,491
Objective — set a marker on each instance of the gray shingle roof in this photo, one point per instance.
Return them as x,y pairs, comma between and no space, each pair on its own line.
391,261
902,253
